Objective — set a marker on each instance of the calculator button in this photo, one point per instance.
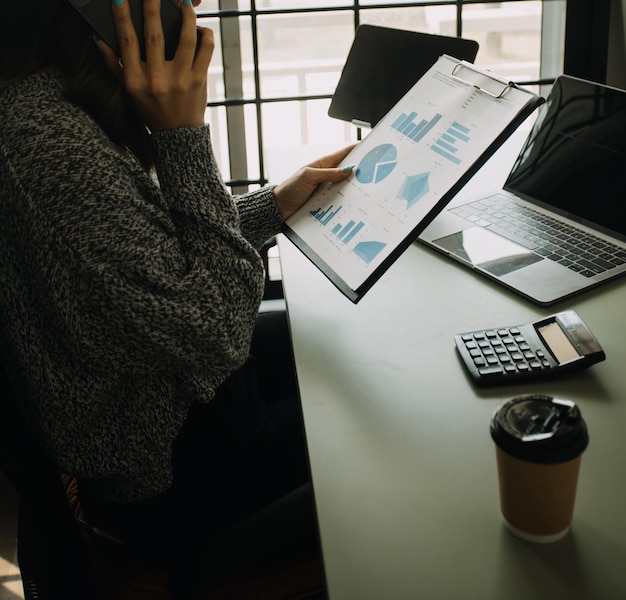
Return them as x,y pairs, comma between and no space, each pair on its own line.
516,356
535,365
487,371
479,361
491,334
523,367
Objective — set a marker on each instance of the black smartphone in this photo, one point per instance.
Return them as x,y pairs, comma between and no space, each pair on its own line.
99,15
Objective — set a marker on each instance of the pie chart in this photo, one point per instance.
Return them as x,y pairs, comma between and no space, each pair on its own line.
377,164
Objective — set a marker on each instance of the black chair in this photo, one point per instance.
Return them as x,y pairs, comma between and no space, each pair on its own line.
53,558
273,293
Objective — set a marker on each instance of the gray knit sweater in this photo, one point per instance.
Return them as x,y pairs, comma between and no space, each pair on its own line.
122,301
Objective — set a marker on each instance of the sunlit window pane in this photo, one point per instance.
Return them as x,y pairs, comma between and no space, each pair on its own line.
215,79
410,18
298,4
382,2
293,61
509,35
302,132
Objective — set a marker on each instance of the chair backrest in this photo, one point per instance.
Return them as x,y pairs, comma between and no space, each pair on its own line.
52,554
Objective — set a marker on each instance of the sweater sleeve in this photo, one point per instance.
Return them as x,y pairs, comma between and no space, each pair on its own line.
259,218
134,276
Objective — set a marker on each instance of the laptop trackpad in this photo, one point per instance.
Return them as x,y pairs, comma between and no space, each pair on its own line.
489,251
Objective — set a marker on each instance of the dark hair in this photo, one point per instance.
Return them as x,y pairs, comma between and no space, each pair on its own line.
39,34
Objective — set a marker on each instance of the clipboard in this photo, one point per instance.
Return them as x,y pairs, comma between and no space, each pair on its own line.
407,169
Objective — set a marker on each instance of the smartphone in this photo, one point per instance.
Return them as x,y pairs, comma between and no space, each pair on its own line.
99,15
550,346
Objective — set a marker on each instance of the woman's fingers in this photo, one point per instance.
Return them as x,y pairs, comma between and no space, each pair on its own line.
167,94
188,40
292,193
126,34
332,160
153,32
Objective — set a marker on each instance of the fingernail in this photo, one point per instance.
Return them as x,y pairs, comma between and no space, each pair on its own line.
118,3
187,3
347,169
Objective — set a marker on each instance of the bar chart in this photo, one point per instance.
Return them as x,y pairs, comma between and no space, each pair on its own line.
325,216
366,250
346,232
446,146
407,125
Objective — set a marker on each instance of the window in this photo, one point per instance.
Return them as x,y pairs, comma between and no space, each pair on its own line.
277,63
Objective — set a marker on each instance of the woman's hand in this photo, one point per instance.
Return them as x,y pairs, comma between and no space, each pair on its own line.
167,94
295,191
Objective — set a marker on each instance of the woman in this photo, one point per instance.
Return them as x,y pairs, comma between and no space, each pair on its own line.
131,279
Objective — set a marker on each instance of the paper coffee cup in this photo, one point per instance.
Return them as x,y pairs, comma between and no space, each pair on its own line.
539,441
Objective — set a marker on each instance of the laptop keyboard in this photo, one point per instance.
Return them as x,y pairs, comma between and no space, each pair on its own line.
574,248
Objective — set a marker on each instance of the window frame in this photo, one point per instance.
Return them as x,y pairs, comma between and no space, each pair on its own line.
585,55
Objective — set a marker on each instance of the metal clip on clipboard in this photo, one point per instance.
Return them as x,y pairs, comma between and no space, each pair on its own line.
479,79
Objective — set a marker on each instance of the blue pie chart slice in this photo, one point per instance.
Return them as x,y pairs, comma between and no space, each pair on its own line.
377,164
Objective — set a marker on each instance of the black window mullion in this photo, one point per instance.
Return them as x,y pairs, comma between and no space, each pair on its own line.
257,91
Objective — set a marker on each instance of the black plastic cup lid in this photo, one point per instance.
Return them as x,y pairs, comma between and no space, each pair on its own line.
540,429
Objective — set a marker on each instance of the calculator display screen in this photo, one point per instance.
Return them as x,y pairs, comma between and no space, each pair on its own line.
558,343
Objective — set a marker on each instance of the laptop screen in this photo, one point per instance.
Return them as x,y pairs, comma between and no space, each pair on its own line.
574,158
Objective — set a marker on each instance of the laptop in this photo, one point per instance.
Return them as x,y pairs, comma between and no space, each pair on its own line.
558,227
383,64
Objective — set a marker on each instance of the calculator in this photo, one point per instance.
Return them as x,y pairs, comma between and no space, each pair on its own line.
556,344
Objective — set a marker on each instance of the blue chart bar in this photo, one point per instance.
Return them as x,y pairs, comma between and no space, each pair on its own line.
446,145
324,216
345,230
354,231
407,126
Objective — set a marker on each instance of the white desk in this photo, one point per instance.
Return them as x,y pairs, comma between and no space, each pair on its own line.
402,461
